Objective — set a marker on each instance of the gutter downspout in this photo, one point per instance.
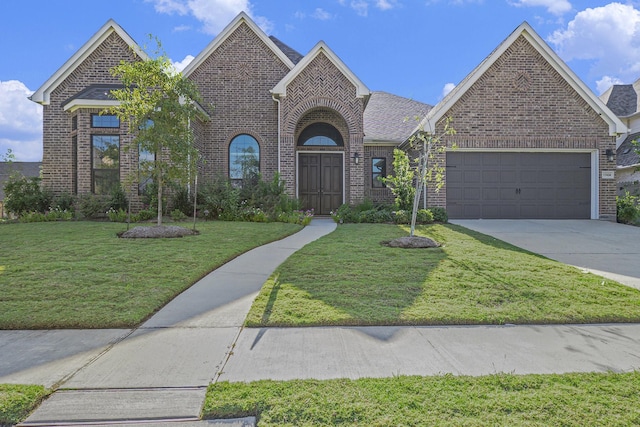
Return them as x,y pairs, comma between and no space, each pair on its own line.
277,100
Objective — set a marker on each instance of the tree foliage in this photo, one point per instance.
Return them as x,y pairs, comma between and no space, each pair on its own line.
159,104
401,183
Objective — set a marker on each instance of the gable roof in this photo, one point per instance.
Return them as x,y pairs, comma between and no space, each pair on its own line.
391,118
226,32
320,47
41,96
616,126
291,53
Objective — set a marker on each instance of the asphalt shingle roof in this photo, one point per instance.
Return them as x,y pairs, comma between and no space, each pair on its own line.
623,100
626,154
95,93
290,52
389,117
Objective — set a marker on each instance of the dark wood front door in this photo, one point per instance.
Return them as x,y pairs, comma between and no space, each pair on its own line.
320,182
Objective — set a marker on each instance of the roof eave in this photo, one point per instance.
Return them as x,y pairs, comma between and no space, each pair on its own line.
242,17
42,95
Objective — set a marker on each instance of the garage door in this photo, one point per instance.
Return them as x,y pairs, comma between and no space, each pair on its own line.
519,185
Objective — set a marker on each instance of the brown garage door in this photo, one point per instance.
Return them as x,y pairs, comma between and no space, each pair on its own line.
519,185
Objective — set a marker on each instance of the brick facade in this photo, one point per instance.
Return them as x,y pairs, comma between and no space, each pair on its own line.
522,103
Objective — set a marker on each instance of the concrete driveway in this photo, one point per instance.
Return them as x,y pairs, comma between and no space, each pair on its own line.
605,248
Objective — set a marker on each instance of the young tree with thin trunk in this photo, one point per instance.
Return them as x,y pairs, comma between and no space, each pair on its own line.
159,104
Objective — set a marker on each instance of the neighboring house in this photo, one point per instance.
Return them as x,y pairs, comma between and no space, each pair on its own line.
624,101
532,137
28,169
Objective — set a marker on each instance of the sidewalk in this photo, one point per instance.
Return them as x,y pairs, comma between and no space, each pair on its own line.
160,371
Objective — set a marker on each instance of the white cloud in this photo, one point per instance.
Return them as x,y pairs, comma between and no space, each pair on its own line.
321,14
608,35
20,122
606,82
181,28
385,4
214,14
179,66
556,7
447,88
360,6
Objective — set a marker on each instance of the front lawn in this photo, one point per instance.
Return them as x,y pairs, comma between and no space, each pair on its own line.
17,402
349,278
587,399
80,275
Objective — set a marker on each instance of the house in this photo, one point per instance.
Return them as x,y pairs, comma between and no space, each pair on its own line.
27,169
623,100
532,138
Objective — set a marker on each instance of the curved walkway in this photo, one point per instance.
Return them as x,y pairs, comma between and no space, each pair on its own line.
161,370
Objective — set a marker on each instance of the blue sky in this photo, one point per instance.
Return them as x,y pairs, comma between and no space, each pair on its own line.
418,49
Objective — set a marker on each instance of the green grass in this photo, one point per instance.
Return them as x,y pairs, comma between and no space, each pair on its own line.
531,400
80,275
17,401
349,278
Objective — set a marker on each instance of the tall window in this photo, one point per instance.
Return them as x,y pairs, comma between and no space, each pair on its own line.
244,159
145,163
378,170
105,167
104,121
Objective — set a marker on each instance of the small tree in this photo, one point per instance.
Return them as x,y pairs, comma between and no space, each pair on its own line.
159,103
401,183
428,169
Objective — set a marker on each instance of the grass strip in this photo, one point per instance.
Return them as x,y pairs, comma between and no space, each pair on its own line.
17,402
80,275
501,399
349,278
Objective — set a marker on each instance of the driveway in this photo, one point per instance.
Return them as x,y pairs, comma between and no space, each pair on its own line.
605,248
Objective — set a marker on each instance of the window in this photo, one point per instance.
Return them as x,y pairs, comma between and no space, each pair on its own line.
104,121
74,123
320,134
145,163
105,159
74,163
244,158
378,170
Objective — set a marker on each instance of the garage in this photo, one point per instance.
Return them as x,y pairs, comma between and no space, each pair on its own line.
518,185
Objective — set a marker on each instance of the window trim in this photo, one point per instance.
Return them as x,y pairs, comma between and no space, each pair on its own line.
94,115
376,183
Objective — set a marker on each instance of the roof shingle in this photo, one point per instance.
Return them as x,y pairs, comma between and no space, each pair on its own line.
391,117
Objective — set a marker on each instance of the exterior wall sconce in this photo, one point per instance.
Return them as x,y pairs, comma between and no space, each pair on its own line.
356,158
608,153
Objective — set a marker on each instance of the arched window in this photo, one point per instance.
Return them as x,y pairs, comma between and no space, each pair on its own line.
244,158
320,134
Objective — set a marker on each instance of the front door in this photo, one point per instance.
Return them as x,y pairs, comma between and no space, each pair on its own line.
320,181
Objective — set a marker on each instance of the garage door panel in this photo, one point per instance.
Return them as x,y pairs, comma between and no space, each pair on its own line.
519,185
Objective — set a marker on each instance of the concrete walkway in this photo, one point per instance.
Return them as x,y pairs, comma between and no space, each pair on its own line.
160,371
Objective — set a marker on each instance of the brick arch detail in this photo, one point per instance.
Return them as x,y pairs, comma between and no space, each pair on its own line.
308,105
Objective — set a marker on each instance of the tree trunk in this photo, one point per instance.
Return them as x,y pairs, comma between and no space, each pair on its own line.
159,200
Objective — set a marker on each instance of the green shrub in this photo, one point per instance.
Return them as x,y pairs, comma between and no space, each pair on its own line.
92,205
627,209
439,214
24,194
424,216
402,217
177,215
64,202
181,200
118,199
119,215
345,214
375,216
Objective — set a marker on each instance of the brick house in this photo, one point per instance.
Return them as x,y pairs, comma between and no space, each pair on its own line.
532,137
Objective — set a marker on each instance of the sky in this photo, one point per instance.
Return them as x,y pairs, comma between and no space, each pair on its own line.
418,49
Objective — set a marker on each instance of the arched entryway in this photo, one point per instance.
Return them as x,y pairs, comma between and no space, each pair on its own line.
321,168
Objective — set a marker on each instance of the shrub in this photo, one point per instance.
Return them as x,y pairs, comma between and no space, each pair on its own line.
220,200
439,214
177,215
181,200
345,214
118,199
24,194
119,215
64,202
401,217
92,205
376,216
627,209
143,215
424,216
